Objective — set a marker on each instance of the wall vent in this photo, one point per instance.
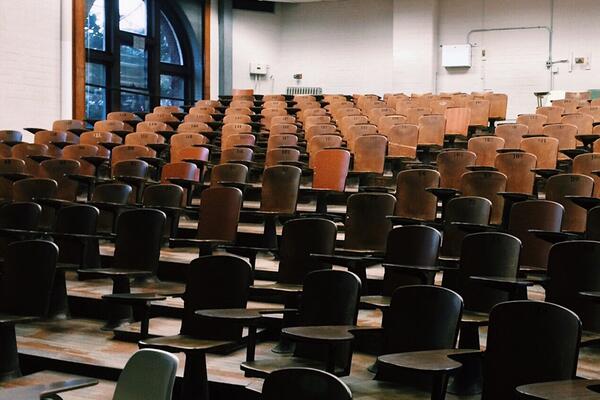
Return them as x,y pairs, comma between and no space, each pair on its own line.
293,90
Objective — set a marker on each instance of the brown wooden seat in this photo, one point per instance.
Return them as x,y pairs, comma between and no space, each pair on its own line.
585,164
240,155
224,174
283,129
153,126
534,122
11,169
192,127
342,289
58,170
279,156
414,113
562,185
32,189
282,140
536,214
110,198
403,139
431,131
553,113
134,173
356,131
566,135
486,184
167,198
583,122
183,141
413,201
320,129
480,114
386,122
512,134
26,285
137,251
321,142
24,151
457,122
54,140
238,140
498,105
485,147
130,152
369,154
572,268
219,214
528,342
112,125
452,164
184,174
546,151
439,106
74,126
330,171
237,119
212,282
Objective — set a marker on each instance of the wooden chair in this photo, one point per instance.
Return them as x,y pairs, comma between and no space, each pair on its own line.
546,151
238,140
403,139
212,282
562,185
127,117
486,184
168,199
436,313
553,113
369,154
269,113
181,141
219,214
330,171
283,129
58,170
315,120
79,152
536,214
457,122
535,122
583,122
11,170
572,268
185,175
321,129
498,105
23,298
439,106
342,288
303,383
566,135
240,155
38,189
280,156
153,126
71,125
512,134
585,164
462,210
237,119
347,122
51,139
321,142
517,166
413,201
137,251
414,113
485,148
356,131
112,125
452,164
407,247
282,140
528,342
569,105
230,129
228,173
110,199
480,114
134,173
133,380
130,152
80,252
193,127
239,110
25,152
431,131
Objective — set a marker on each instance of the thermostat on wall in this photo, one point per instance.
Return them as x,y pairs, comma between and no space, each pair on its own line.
456,56
258,69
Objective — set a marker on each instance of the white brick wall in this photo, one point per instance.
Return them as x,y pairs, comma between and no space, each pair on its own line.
30,63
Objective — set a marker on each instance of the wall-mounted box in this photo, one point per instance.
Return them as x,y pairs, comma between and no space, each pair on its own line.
258,68
456,56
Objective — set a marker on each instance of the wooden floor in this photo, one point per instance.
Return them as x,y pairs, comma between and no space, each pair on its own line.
82,341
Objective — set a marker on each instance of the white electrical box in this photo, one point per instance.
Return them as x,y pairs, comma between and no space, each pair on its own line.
258,69
456,56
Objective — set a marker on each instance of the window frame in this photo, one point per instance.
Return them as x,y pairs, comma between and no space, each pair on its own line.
111,57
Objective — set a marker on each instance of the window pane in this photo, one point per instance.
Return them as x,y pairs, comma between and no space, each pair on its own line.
170,51
133,16
95,74
95,102
172,90
133,102
134,67
94,25
95,91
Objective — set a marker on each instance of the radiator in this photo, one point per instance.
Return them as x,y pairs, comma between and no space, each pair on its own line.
293,90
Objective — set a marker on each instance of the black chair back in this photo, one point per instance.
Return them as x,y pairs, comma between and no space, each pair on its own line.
471,209
366,225
215,282
303,384
81,219
528,342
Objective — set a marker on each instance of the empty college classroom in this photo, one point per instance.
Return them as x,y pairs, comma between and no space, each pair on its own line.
299,199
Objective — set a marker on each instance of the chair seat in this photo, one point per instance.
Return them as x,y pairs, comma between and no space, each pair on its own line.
430,360
280,287
133,298
377,301
8,319
110,272
475,318
262,368
183,343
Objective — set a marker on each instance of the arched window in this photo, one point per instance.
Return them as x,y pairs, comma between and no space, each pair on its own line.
138,56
